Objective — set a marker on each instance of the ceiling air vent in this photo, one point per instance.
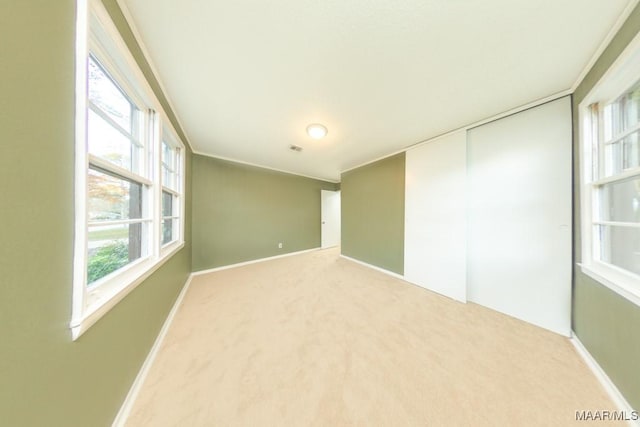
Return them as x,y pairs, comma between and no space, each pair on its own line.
295,148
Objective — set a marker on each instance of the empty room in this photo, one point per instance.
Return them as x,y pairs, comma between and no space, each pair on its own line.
319,213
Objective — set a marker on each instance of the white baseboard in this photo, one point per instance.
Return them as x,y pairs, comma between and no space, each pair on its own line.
253,261
603,378
127,405
382,270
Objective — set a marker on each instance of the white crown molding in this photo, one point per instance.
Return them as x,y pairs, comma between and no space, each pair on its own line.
504,114
229,159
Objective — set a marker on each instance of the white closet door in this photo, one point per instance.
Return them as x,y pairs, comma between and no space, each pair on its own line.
435,252
330,218
519,219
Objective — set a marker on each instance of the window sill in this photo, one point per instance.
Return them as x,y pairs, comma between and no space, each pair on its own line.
106,300
619,282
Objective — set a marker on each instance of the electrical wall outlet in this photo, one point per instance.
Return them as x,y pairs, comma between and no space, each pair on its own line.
279,245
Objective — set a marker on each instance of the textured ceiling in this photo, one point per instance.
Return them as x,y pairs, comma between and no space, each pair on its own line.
246,77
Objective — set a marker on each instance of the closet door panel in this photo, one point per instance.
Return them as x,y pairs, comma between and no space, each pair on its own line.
519,215
435,247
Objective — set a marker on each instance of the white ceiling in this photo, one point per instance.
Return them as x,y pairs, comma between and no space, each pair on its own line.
247,76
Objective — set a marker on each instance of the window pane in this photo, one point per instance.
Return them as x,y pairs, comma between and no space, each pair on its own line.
620,201
613,120
630,103
613,159
607,119
168,178
106,95
622,114
112,198
168,155
109,144
167,204
620,246
112,247
167,231
169,166
630,152
617,122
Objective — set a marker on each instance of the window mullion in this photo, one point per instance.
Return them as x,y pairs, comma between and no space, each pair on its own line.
119,222
600,165
629,173
623,135
168,167
107,166
155,145
171,191
618,224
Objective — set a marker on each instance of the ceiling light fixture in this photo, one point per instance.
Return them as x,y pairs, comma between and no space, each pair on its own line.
316,131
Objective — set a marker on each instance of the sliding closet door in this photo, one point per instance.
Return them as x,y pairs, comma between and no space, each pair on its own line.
519,217
435,216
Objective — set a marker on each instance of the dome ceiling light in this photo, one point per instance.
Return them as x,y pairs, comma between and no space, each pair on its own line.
316,131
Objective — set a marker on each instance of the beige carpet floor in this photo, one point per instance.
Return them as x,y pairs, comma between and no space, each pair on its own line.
318,340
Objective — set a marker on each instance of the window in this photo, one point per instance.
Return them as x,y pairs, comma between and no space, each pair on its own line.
610,178
117,181
129,173
171,191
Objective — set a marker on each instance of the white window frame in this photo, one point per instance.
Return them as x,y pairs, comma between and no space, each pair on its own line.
96,34
170,138
617,80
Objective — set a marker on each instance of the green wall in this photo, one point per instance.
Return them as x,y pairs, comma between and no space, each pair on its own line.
243,212
373,213
607,324
46,379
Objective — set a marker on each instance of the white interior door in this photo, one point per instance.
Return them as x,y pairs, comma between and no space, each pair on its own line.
519,215
330,216
435,216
